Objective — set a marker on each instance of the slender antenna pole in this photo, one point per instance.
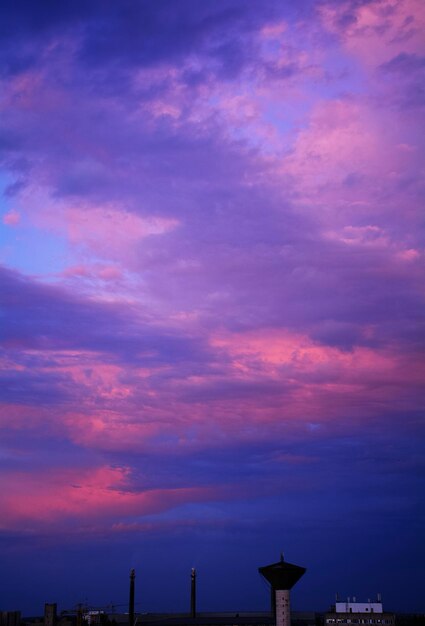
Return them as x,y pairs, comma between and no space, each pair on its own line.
193,593
131,599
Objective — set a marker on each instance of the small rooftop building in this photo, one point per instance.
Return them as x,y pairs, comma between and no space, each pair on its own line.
353,612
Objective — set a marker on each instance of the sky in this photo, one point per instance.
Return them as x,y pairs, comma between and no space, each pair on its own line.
212,301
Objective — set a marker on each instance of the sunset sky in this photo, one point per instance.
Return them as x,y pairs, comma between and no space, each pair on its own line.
212,300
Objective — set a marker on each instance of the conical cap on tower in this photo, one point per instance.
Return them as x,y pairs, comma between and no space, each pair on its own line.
282,575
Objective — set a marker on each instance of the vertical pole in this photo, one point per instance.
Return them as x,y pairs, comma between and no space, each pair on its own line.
80,615
131,599
193,593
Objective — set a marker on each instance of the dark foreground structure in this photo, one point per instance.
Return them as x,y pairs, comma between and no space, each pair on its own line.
298,618
281,576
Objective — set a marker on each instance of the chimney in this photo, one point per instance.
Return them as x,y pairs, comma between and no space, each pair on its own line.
79,615
50,614
193,593
131,599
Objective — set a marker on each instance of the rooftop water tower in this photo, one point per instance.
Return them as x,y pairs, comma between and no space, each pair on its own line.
282,576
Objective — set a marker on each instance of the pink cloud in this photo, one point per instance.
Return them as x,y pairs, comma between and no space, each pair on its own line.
49,497
11,218
339,139
344,164
94,271
323,381
273,30
377,31
110,272
108,231
121,407
76,271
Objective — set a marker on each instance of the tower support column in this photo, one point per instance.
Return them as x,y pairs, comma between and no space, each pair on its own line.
282,607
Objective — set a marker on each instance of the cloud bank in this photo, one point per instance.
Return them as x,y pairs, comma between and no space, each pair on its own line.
212,270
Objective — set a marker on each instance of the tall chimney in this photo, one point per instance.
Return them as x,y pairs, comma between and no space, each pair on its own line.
193,593
50,614
80,615
131,599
